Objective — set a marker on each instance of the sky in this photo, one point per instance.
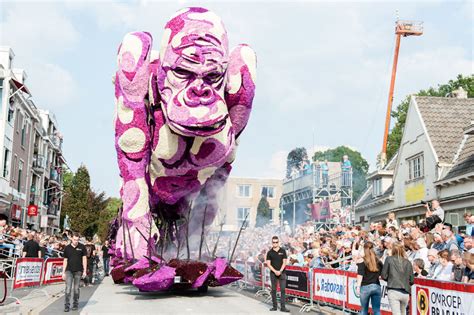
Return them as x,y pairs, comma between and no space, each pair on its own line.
323,69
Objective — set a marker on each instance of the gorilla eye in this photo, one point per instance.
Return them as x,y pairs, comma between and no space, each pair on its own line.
182,73
213,77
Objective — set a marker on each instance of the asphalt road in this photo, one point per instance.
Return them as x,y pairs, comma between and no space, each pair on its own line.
108,298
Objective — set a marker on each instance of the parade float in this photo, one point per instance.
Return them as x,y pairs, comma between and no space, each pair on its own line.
179,114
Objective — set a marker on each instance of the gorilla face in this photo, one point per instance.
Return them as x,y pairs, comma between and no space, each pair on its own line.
192,77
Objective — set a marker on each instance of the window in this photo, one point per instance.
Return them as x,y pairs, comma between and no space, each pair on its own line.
377,187
11,113
6,163
415,167
1,94
241,214
272,214
268,191
20,170
23,133
244,191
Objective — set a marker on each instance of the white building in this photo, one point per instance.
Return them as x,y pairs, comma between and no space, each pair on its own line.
435,161
30,153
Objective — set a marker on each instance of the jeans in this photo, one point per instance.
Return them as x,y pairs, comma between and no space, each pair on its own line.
106,265
372,293
282,280
73,279
398,301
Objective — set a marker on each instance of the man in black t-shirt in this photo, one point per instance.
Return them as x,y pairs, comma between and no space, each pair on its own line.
276,261
31,248
74,266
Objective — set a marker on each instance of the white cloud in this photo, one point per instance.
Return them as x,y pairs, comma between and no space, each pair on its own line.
52,86
277,165
37,30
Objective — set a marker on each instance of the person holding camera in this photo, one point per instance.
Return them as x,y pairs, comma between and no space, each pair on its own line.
74,267
434,213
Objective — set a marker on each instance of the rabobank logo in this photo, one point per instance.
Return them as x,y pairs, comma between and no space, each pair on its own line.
329,286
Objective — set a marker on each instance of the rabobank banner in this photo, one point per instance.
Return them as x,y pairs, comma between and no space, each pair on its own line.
330,286
430,297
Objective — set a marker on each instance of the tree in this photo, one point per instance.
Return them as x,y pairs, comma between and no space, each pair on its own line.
107,214
294,159
400,114
264,214
360,166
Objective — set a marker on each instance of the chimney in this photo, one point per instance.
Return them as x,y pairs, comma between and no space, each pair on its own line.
459,93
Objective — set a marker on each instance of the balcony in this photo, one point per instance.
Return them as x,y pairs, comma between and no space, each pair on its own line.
53,210
56,141
39,163
54,176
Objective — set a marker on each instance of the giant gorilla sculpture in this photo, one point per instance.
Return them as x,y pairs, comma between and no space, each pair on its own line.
179,116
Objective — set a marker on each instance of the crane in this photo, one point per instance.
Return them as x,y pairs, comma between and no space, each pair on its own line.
402,28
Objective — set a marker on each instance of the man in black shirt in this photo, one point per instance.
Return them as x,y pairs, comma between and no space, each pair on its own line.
276,261
106,257
74,266
31,248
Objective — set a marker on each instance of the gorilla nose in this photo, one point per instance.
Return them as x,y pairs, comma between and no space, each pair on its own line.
200,95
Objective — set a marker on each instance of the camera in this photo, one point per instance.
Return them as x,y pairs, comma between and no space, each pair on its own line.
427,203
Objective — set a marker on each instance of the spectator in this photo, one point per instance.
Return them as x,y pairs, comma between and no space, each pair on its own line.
392,221
90,255
445,267
458,267
434,215
433,262
368,284
438,242
419,268
398,272
450,240
325,173
31,248
469,219
468,276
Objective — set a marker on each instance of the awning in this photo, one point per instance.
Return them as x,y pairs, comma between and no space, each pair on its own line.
21,86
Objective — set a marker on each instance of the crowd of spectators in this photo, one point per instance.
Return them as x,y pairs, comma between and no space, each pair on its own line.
440,254
19,242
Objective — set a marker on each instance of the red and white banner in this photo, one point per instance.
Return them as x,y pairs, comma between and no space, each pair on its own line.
297,281
53,270
353,299
28,272
430,297
253,275
330,286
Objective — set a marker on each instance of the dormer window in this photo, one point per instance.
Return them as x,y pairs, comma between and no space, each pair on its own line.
377,187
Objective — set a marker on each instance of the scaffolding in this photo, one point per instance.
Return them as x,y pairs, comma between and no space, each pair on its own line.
317,184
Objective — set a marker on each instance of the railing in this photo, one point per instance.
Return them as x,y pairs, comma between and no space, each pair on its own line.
39,162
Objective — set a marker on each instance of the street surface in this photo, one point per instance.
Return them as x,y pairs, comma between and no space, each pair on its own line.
108,298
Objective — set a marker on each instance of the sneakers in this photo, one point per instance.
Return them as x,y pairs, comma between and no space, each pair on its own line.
285,310
66,309
74,308
273,309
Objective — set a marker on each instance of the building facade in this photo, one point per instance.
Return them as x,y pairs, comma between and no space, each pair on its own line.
435,161
240,196
31,157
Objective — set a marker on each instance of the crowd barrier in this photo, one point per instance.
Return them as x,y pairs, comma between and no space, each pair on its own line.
337,288
35,272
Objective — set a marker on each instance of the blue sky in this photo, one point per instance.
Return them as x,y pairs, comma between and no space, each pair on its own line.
323,69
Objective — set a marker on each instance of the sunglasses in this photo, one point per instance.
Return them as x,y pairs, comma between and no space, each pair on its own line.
275,242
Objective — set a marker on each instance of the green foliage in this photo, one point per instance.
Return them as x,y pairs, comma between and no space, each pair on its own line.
294,159
107,214
360,167
400,114
83,206
263,212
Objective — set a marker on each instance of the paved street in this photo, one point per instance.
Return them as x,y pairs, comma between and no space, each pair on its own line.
108,298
